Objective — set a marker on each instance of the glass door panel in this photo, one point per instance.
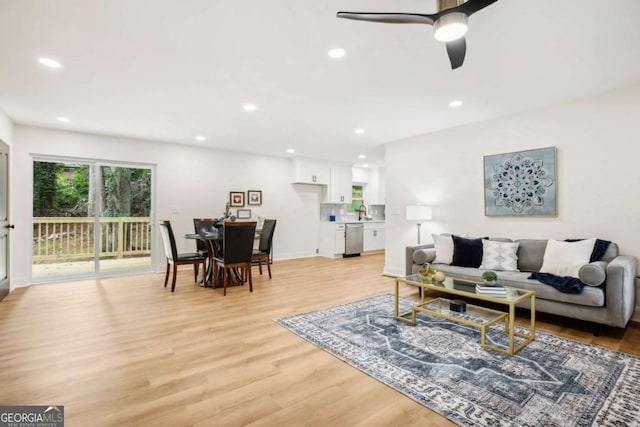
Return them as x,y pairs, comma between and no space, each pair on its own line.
125,229
63,220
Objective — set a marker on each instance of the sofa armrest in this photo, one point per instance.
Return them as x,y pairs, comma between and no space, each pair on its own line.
409,256
620,289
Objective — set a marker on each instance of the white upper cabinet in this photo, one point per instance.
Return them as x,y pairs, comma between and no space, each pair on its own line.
306,171
340,183
360,175
374,190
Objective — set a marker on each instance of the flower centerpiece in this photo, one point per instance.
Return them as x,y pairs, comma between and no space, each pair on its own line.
226,215
489,277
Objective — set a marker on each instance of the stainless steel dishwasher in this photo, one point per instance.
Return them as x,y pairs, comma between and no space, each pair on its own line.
353,239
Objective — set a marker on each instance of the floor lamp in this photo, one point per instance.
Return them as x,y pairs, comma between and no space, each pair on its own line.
418,213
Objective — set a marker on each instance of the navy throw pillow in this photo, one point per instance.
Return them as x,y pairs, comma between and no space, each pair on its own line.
467,252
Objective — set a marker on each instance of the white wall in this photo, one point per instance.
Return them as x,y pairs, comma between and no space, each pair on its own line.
6,128
191,180
598,155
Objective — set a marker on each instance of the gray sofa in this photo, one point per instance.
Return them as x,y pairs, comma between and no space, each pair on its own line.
611,303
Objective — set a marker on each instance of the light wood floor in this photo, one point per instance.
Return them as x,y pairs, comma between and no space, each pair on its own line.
125,351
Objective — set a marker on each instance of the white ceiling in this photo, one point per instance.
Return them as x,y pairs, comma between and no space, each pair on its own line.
172,69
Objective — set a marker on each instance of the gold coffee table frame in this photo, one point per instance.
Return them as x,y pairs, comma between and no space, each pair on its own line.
440,307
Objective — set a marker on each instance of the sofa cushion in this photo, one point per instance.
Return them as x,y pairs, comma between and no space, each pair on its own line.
564,259
498,255
444,248
591,296
531,254
422,256
594,273
611,252
467,252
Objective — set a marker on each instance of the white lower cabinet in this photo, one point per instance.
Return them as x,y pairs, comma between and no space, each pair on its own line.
331,239
373,237
340,240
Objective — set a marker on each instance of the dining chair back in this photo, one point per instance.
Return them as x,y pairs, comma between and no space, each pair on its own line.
174,258
263,253
169,241
201,226
237,251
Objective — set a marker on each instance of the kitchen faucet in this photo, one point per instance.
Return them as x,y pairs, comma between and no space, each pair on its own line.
362,209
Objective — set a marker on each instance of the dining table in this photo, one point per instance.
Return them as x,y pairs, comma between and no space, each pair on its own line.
213,243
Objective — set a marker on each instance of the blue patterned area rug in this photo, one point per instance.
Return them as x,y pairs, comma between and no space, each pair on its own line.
551,382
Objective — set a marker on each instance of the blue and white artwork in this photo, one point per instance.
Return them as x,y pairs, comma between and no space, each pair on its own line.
521,183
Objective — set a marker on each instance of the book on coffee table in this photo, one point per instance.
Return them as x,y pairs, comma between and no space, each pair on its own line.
495,290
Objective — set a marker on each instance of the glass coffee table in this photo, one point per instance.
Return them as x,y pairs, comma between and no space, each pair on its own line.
475,314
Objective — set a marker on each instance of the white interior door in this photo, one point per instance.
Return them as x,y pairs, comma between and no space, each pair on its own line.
5,227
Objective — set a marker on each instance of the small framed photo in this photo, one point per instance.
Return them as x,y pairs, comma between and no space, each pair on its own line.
243,214
236,199
254,197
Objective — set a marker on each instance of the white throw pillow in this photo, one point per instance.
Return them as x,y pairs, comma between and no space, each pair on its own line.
566,258
499,255
444,249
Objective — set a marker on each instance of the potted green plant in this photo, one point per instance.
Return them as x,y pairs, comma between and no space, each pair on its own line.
489,277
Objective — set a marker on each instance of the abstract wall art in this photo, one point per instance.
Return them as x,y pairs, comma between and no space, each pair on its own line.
522,183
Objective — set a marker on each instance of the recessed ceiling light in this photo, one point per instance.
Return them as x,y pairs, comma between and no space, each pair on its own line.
362,156
63,119
455,104
48,62
249,107
359,131
200,138
291,150
337,53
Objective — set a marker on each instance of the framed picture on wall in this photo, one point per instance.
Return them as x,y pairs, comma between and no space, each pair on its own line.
522,183
236,199
254,197
243,214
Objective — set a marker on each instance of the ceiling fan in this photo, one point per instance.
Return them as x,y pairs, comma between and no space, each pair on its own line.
449,23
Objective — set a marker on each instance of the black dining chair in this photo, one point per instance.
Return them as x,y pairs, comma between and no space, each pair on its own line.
176,259
263,253
203,226
237,251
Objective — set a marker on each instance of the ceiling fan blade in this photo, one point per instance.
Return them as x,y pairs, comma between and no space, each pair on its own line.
457,50
472,6
389,18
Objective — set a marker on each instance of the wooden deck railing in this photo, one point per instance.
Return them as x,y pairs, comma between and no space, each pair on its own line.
62,239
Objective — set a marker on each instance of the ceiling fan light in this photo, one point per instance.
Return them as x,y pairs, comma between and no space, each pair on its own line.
451,26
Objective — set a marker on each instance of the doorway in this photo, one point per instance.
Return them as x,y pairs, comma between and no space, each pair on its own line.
90,218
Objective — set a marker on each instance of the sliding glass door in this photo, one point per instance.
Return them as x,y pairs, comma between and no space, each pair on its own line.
90,218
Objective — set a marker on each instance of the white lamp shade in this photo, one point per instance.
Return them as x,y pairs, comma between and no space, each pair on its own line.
418,213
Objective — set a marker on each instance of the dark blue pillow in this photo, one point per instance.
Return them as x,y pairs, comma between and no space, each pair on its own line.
467,252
